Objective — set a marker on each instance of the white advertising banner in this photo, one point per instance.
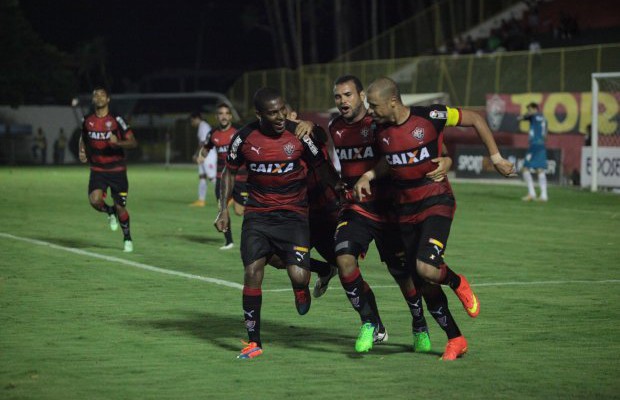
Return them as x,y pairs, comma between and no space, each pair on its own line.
608,166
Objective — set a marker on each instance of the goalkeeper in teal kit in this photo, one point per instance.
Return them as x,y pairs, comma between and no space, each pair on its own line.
536,157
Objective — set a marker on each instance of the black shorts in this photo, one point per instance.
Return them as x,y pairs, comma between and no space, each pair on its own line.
284,233
322,230
427,240
116,181
355,232
240,192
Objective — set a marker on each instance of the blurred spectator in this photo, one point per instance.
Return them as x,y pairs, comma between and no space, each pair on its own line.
39,148
60,144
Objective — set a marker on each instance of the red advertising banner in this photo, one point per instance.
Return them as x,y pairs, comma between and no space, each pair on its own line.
565,112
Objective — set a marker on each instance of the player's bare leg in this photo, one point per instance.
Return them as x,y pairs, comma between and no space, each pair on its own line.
98,203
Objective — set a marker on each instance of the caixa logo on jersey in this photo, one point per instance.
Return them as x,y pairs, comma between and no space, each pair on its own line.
99,135
355,153
222,149
408,157
272,168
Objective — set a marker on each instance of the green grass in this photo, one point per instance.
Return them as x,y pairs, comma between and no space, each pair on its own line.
77,327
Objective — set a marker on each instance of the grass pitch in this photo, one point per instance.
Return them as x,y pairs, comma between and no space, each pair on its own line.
79,319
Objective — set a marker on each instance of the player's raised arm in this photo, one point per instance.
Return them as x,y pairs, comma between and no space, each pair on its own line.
471,118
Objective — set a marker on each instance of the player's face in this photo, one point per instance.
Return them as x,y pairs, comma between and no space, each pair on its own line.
273,116
100,98
349,101
379,108
224,117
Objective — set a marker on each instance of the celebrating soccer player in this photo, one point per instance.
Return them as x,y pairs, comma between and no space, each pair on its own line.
409,138
275,219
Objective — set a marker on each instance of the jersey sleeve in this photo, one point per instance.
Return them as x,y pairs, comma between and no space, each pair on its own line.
235,159
313,155
209,143
123,128
204,132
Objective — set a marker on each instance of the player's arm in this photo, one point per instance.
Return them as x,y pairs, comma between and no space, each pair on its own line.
362,186
444,163
227,183
305,128
82,151
473,119
203,151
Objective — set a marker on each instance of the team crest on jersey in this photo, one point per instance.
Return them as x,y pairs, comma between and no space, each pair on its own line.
365,132
108,124
418,133
289,149
436,114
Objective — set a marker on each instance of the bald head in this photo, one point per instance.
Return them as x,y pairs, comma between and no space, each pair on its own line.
384,103
385,89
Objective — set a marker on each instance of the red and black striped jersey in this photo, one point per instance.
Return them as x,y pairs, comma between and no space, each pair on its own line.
355,146
96,132
277,167
322,198
409,149
221,140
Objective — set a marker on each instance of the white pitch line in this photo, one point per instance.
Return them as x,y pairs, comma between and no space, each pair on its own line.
122,261
239,286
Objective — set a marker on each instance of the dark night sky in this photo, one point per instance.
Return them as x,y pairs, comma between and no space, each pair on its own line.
144,37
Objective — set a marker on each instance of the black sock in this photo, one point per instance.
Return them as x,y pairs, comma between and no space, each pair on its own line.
437,304
449,277
354,288
414,301
123,220
252,300
372,302
228,236
320,267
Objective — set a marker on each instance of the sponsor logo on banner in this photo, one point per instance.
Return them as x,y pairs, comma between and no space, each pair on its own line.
474,162
608,165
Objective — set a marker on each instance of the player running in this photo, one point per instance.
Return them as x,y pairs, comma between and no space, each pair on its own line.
408,139
103,141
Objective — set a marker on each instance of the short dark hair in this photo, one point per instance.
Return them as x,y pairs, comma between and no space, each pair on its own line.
222,105
264,95
533,105
350,78
196,114
102,87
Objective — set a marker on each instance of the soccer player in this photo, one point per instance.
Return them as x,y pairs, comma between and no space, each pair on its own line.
204,130
536,157
103,142
409,138
220,139
276,213
360,222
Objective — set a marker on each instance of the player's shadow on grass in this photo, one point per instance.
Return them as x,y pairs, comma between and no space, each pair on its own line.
75,243
200,239
221,330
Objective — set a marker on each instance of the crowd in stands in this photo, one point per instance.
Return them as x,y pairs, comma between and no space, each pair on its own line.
516,34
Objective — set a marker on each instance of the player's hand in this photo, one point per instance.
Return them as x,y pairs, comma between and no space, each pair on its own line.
362,188
443,166
82,156
113,139
506,168
221,222
200,158
304,128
